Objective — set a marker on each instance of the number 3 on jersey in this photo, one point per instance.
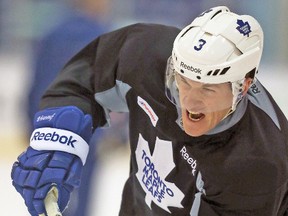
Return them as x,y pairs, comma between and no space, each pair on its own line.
202,42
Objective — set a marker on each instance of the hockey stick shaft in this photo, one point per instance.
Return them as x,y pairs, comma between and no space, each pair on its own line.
50,202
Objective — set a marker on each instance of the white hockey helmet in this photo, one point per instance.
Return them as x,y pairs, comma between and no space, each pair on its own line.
218,46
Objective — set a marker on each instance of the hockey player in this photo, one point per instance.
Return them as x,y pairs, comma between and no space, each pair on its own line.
206,137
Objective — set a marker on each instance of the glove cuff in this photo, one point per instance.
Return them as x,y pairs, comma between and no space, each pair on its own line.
55,139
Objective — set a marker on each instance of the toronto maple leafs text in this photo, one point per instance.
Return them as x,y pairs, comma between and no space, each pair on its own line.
152,181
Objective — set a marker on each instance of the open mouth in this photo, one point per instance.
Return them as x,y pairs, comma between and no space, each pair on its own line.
195,116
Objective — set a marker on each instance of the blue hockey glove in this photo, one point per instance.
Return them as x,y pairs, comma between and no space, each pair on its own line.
57,152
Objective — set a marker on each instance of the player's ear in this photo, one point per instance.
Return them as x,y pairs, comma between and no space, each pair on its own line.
246,85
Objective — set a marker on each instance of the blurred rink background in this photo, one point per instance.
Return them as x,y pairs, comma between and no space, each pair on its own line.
24,22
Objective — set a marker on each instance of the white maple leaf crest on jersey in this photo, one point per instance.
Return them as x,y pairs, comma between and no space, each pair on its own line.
152,171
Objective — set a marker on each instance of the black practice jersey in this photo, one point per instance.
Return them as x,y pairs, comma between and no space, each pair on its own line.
238,168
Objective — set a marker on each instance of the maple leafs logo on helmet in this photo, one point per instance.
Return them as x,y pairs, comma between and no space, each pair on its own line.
243,27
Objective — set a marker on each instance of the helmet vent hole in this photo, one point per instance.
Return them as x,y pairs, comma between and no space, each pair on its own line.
181,71
187,31
216,14
198,77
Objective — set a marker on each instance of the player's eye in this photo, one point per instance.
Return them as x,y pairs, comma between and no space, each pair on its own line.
209,89
182,80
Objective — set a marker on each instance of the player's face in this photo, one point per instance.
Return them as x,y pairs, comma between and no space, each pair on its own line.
203,105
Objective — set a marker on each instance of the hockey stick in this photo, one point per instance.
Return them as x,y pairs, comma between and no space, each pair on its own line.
50,202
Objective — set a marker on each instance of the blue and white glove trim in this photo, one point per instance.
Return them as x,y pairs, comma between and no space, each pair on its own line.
55,139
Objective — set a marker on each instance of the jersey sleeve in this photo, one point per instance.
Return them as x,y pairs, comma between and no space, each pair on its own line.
76,83
101,67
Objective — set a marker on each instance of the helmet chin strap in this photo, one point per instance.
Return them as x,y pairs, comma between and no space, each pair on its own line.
237,91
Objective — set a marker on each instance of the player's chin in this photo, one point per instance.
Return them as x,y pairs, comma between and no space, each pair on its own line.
194,132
